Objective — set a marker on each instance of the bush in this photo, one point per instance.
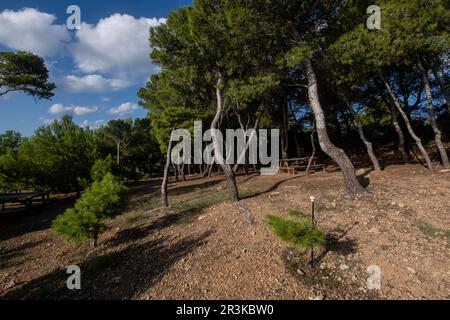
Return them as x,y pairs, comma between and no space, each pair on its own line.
103,199
301,234
101,168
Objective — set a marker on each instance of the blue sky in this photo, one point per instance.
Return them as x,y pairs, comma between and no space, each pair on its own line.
97,69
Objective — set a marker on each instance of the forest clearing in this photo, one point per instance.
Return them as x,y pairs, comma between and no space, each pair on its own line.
202,247
225,150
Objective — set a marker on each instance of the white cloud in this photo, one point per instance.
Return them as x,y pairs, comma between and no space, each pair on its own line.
91,83
124,108
92,124
31,30
116,45
59,108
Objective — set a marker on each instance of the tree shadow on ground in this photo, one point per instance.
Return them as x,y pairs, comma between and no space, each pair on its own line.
14,224
201,184
272,188
121,275
13,254
334,243
143,231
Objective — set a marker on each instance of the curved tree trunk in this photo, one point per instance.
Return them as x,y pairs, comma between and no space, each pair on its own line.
408,125
369,147
433,121
338,155
231,179
401,137
165,181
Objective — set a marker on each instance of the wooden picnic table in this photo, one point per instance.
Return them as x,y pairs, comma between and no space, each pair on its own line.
292,166
24,198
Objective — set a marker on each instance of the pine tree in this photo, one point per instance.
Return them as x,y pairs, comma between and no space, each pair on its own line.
300,233
102,200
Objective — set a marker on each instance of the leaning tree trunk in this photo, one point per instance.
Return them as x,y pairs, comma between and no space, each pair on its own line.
231,179
313,154
408,125
369,147
445,91
165,182
433,121
401,137
338,155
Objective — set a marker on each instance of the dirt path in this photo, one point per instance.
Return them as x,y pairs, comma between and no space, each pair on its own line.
203,249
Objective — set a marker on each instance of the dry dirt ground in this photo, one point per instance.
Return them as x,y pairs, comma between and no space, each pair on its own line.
202,248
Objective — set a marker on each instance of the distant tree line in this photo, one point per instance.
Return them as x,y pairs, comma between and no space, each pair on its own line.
60,156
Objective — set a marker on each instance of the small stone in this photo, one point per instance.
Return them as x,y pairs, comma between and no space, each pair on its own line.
234,221
411,270
319,297
301,272
401,205
344,267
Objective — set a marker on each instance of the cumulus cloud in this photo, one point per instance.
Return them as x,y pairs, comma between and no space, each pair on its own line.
124,108
115,45
110,55
59,108
91,83
31,30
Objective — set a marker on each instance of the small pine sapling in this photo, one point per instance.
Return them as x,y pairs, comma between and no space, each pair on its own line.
103,199
301,233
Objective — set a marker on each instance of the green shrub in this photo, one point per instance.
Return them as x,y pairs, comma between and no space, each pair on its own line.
301,234
101,168
103,199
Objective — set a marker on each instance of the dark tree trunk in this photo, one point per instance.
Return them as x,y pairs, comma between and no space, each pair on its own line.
445,91
165,181
408,125
338,155
231,179
313,154
433,121
94,235
285,132
297,145
175,172
369,147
